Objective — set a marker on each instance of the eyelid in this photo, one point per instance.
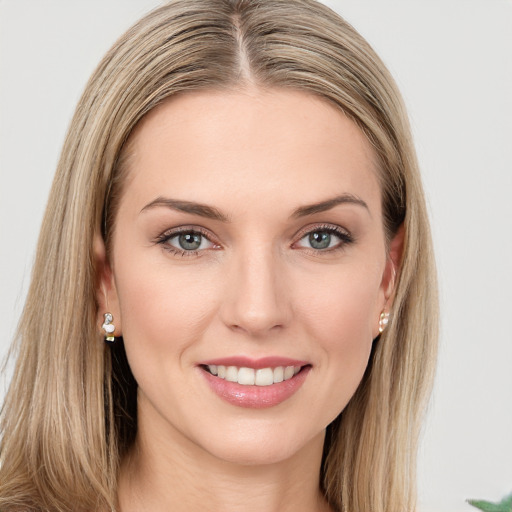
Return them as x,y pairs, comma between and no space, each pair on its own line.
321,226
342,233
172,232
186,228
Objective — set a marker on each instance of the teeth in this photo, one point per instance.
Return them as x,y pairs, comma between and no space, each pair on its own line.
251,377
288,372
279,374
264,377
232,374
246,376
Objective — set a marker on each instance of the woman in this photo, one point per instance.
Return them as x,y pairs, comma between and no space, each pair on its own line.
241,219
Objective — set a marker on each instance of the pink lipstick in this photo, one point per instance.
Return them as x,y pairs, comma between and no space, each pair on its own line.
255,383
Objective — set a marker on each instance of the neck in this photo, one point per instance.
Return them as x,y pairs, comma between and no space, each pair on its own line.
170,472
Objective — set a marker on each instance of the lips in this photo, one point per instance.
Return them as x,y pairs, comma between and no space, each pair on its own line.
258,383
252,376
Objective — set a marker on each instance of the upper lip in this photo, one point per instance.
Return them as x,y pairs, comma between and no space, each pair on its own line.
248,362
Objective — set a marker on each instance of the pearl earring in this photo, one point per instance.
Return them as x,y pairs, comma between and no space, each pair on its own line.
383,321
109,328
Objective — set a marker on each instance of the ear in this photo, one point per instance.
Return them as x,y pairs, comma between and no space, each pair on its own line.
106,293
396,248
389,276
392,269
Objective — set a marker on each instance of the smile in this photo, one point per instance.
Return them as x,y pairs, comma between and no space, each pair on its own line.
253,376
261,383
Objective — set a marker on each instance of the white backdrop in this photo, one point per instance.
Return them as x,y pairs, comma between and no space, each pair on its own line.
453,62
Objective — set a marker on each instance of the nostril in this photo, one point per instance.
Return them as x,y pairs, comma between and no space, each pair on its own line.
255,328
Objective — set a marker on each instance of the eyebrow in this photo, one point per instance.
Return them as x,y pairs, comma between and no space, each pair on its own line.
202,210
328,204
210,212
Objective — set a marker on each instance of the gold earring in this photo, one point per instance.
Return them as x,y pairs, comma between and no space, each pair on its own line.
383,321
109,328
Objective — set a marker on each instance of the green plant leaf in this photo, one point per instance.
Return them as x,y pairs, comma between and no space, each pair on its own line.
505,505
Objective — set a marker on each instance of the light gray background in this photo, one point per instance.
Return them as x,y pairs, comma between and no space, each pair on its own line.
453,62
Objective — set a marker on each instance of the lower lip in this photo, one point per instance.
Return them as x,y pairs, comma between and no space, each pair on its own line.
256,397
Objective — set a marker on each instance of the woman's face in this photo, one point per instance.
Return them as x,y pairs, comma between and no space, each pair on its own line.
249,235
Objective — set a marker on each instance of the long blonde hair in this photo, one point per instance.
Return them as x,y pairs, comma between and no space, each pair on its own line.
70,412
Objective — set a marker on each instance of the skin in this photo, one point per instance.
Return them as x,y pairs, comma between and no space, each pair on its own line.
256,288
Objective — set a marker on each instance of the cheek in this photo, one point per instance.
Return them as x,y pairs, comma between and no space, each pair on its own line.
163,311
342,305
341,316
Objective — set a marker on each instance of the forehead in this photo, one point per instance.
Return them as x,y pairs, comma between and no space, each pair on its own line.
213,145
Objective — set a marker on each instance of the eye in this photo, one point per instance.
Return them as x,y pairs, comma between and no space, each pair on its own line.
191,241
320,239
185,242
325,238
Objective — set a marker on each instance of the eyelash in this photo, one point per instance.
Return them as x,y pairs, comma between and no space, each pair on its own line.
344,236
345,239
164,238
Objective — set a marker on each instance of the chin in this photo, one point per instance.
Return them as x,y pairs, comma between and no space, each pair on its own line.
260,446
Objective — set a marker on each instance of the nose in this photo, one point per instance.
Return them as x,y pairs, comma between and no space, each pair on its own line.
256,300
